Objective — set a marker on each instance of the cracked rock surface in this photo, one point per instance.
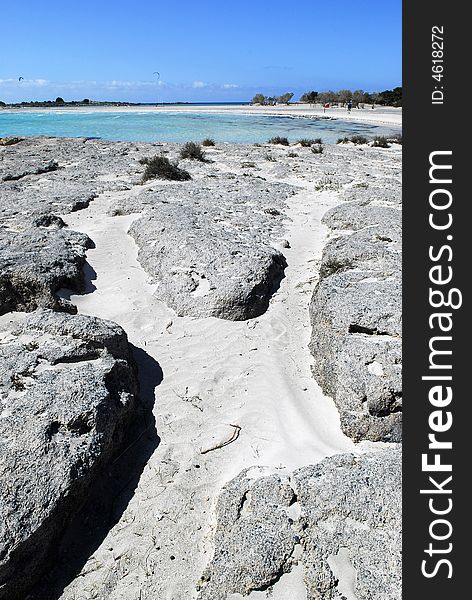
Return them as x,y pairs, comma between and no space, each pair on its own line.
356,314
67,385
346,506
41,178
36,263
254,537
207,245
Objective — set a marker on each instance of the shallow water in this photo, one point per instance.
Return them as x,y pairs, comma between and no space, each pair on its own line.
179,127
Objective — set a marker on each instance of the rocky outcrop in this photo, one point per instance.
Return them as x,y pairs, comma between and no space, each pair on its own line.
207,243
37,168
341,519
254,538
57,176
356,319
36,263
207,246
68,386
351,519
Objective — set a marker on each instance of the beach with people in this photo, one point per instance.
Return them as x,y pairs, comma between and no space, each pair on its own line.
380,115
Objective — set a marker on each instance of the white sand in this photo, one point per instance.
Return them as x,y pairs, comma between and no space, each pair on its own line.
387,116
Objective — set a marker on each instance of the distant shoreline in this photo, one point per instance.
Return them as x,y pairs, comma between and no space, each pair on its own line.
379,116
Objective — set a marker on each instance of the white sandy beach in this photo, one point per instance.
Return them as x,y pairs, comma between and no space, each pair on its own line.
380,115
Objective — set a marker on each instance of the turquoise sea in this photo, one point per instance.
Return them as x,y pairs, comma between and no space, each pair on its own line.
177,126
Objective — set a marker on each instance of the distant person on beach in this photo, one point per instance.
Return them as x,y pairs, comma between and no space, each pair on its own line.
349,106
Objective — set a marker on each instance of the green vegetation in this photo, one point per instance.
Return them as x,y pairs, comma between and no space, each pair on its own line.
326,183
160,167
208,142
355,139
317,149
283,141
272,100
396,139
309,97
391,97
192,151
306,142
358,97
380,141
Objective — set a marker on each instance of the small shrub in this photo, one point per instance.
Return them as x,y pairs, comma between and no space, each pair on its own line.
270,158
317,149
283,141
333,265
192,151
326,183
396,139
380,141
160,167
116,212
248,165
355,139
208,142
306,142
359,139
292,154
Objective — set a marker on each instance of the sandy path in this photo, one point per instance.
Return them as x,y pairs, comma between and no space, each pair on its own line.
254,374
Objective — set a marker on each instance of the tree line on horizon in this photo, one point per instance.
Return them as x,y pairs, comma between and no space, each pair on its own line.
357,97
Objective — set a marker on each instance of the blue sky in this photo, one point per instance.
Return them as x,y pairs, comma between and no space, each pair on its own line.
204,51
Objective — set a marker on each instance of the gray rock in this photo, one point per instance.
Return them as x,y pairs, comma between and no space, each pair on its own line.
60,175
254,537
68,386
376,248
356,216
206,245
345,508
37,168
351,510
356,319
35,263
386,190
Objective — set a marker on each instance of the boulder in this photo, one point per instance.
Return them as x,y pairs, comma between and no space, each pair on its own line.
36,263
351,518
356,216
340,519
208,246
254,538
68,386
356,318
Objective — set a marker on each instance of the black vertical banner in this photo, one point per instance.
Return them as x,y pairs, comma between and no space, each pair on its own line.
437,332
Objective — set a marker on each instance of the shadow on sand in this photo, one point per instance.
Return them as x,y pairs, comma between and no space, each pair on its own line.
90,275
112,491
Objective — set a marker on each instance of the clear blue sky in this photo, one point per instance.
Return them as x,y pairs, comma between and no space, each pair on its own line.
204,51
